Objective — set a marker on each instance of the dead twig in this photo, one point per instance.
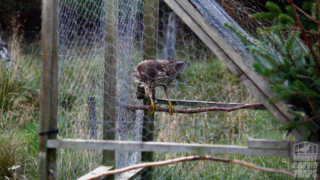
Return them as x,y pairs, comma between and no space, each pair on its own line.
267,79
304,77
306,14
310,104
189,111
190,158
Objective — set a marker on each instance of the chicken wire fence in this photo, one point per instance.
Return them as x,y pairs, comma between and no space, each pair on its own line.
82,51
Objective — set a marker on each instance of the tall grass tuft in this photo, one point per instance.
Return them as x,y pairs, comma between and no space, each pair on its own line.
9,149
19,108
19,85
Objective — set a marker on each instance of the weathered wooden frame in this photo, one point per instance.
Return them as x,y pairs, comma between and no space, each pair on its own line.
49,89
256,147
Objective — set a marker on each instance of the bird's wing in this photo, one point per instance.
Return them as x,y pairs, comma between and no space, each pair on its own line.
161,66
135,74
139,72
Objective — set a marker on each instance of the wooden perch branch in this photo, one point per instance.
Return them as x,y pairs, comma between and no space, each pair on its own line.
190,111
189,158
204,104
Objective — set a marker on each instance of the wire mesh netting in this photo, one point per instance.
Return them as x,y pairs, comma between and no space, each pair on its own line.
82,69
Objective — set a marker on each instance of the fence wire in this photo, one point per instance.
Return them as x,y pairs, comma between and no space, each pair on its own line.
81,78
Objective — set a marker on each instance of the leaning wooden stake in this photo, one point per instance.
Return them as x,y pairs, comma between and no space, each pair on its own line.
151,14
110,81
190,158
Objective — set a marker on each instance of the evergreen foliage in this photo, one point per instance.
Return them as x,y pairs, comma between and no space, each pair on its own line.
286,54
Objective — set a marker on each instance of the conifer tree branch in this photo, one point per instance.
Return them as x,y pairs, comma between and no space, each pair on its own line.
275,65
306,14
315,45
288,53
311,105
299,42
290,57
298,29
305,37
245,37
292,60
281,37
293,28
302,122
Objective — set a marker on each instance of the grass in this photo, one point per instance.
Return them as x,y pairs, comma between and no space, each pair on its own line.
19,111
207,79
8,155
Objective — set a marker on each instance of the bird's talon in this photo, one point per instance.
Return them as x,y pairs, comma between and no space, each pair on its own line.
171,109
153,107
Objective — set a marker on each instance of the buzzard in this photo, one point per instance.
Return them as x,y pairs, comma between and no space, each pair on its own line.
152,73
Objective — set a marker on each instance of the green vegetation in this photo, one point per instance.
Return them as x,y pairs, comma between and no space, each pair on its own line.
19,112
207,79
287,56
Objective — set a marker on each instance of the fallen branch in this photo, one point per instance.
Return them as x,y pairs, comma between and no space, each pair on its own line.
189,158
189,111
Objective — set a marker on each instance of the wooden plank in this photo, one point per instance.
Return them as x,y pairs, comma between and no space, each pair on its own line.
110,81
205,104
233,61
269,144
95,172
150,36
130,175
166,147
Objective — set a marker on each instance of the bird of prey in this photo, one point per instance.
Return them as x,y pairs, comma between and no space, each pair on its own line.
152,73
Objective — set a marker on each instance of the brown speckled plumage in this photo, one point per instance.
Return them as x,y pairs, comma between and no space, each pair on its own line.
153,73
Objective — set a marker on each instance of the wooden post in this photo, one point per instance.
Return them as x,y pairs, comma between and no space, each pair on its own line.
151,15
92,117
110,81
48,88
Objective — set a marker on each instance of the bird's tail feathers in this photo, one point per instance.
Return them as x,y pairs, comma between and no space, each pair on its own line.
140,93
